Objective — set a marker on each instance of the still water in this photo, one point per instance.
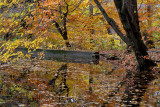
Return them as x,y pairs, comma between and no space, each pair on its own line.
43,83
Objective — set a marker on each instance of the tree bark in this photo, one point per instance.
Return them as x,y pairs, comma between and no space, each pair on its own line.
92,30
127,10
63,30
112,23
63,33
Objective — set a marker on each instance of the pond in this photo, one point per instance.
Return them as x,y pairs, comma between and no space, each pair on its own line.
44,83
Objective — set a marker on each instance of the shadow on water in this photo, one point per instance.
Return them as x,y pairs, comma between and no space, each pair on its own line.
135,85
61,72
73,84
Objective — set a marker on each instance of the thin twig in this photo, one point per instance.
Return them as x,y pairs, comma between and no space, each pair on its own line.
140,5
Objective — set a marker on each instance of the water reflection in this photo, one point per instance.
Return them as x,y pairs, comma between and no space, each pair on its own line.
61,72
136,87
47,83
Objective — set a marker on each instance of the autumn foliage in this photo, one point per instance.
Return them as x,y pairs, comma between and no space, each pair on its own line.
75,25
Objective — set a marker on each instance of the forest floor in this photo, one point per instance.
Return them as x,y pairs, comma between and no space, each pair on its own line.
128,59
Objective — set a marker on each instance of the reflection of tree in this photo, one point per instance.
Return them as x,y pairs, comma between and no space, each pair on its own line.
90,81
135,90
61,73
135,86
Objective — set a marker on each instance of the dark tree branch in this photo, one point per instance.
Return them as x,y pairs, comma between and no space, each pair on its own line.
112,23
64,22
58,27
118,87
63,30
127,10
77,5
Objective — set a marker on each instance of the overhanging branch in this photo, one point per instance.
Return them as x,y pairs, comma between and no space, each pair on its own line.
112,23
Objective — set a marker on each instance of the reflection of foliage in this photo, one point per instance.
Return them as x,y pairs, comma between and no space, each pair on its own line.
62,86
29,80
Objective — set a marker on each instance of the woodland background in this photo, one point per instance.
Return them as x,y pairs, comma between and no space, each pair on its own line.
76,25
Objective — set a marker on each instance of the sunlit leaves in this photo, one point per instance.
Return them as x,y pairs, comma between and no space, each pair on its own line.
39,16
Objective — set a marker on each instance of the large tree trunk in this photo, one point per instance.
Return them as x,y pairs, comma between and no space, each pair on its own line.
127,10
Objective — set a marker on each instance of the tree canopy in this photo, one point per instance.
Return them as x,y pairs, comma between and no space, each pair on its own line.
59,23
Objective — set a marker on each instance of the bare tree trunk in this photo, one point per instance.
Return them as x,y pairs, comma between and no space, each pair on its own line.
63,30
92,31
91,41
127,10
